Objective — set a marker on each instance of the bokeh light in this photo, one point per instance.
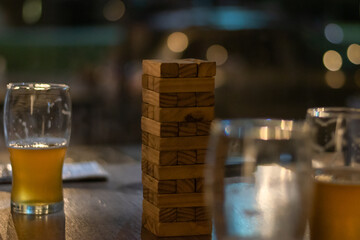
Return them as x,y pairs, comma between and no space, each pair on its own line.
217,53
332,60
32,11
177,42
335,79
334,33
114,10
353,53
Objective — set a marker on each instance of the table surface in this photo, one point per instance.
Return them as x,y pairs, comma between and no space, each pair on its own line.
109,209
93,209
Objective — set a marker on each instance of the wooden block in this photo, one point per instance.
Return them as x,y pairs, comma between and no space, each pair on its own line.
186,157
147,235
144,166
162,158
145,138
186,99
187,69
183,114
176,172
203,128
150,83
159,186
150,111
178,143
199,184
159,214
200,156
205,68
176,85
202,214
174,199
187,214
187,129
166,129
159,99
176,228
185,185
205,99
144,109
160,68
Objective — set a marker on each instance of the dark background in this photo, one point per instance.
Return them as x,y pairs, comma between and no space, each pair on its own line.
273,60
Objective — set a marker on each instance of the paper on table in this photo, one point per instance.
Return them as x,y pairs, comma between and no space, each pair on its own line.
71,172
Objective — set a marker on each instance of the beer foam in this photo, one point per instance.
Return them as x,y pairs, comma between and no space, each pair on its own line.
36,143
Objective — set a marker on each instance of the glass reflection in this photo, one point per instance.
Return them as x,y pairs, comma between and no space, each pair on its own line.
41,227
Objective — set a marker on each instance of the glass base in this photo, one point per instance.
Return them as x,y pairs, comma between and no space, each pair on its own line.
39,209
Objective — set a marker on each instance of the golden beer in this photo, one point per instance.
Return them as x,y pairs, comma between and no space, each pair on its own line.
336,206
37,172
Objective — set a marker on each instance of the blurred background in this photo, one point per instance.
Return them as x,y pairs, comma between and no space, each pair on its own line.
274,58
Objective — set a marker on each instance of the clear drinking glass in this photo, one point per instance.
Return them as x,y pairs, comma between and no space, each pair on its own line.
258,179
336,162
37,125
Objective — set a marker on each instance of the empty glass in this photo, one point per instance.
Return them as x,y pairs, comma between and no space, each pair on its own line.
258,179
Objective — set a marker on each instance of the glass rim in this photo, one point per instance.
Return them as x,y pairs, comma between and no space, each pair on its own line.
37,86
333,112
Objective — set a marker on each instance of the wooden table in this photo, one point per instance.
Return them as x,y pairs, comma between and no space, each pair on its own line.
93,210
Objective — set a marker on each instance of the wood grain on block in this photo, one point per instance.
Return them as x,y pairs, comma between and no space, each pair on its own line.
186,157
177,143
162,200
205,68
202,214
185,185
146,234
159,186
166,129
144,109
144,138
178,171
187,69
144,167
183,114
159,99
176,228
205,99
150,83
163,158
187,129
160,68
176,85
186,99
203,128
199,184
200,156
150,111
159,214
187,214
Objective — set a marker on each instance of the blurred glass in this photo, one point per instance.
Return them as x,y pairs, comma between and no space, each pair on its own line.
258,179
336,162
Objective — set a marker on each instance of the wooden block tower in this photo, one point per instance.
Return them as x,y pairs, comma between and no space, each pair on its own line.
178,107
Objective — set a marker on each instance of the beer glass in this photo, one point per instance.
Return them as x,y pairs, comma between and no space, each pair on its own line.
37,125
336,162
257,179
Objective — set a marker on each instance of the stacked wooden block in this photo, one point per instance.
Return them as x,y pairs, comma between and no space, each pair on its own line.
178,107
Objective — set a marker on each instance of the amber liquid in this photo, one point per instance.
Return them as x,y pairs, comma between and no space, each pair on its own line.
37,172
336,206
